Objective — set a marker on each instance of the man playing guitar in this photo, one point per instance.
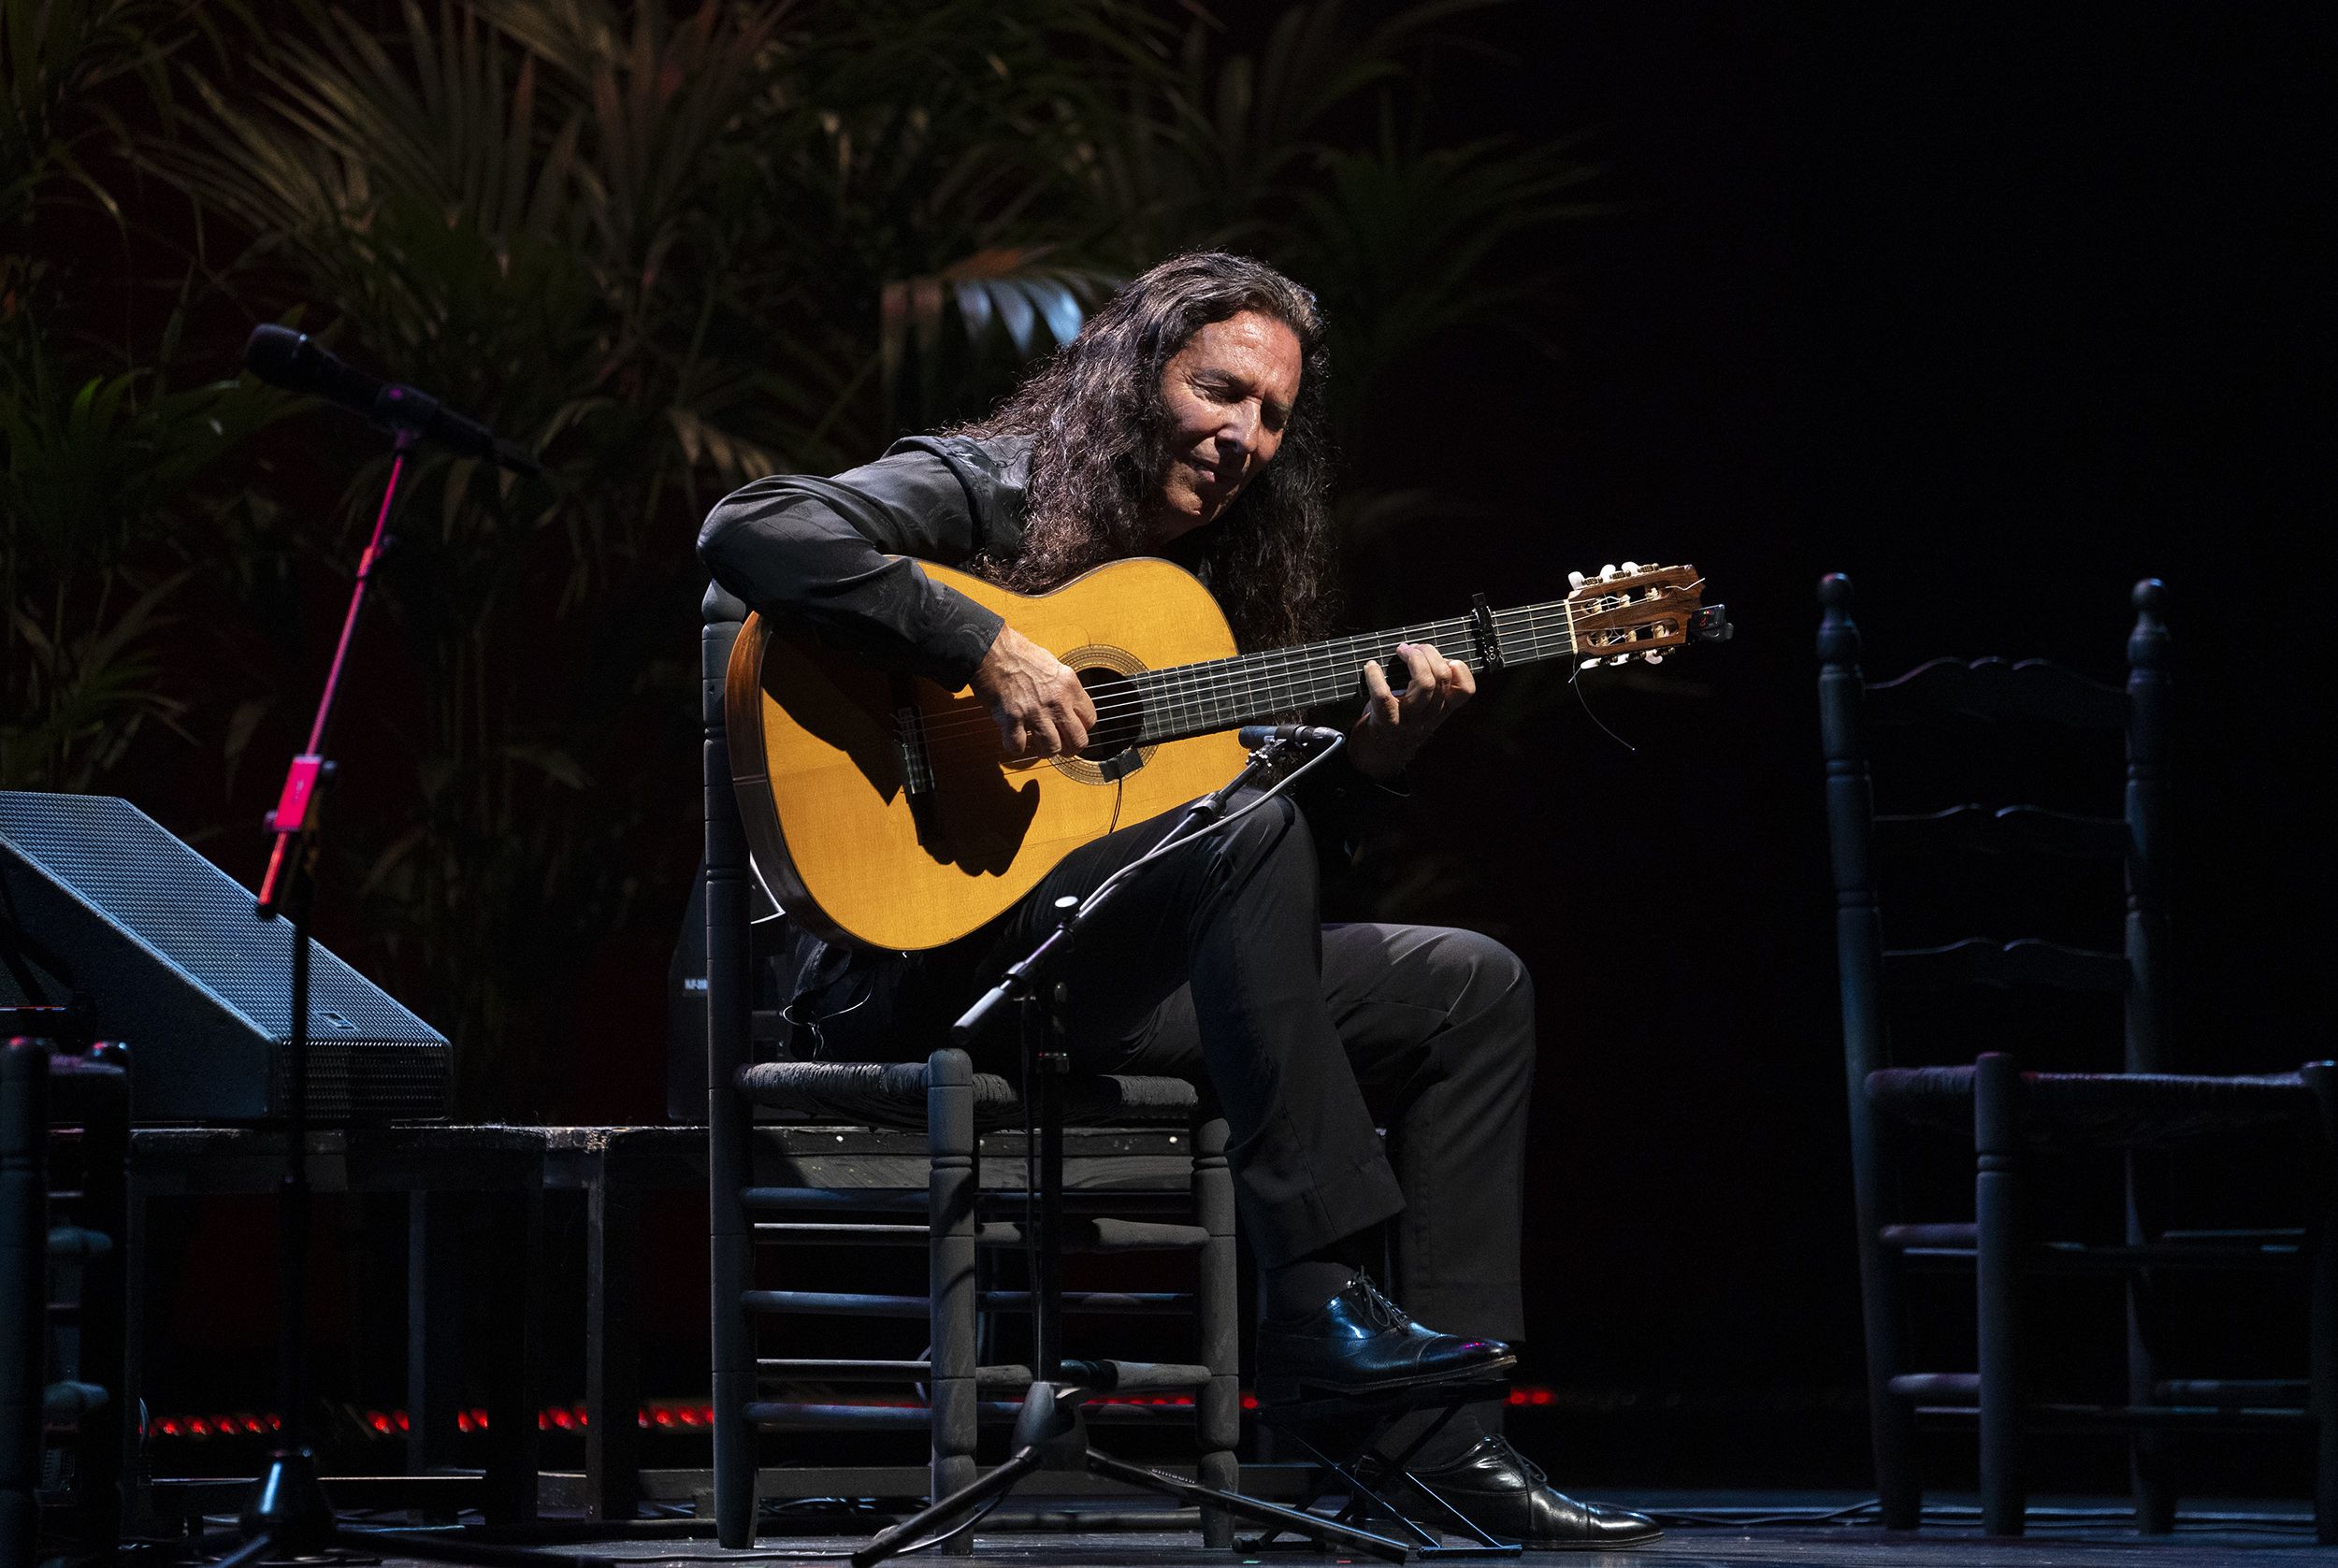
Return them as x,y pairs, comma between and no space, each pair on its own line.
1186,421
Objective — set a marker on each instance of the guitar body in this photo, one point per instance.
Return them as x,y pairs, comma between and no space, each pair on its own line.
868,838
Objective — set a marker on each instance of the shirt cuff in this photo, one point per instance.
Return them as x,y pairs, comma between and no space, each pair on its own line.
959,636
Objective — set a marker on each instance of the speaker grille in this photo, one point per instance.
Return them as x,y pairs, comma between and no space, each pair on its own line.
167,950
194,916
368,1078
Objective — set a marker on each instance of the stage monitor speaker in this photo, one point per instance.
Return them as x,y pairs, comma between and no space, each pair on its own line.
99,904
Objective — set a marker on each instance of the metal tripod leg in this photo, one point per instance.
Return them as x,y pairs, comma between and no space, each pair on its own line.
1321,1531
936,1514
1371,1472
1048,1434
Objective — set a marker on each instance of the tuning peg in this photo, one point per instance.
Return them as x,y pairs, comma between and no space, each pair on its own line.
1574,578
1607,573
1630,567
1653,658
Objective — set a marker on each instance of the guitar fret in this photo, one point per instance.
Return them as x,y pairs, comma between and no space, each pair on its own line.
1219,694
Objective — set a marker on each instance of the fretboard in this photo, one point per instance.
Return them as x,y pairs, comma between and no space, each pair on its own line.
1201,698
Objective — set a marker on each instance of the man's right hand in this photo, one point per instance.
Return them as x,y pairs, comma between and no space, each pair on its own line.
1038,703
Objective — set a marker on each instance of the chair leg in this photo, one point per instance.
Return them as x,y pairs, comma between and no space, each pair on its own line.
612,1374
1892,1418
2147,1449
951,1190
23,1291
2322,1077
729,1003
1218,1410
509,1250
1997,1220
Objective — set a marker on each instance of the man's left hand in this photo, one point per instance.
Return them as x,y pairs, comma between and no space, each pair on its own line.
1395,724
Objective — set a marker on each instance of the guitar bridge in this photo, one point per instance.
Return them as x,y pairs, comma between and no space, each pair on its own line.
910,752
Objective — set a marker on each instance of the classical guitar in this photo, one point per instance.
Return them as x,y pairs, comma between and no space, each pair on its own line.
879,809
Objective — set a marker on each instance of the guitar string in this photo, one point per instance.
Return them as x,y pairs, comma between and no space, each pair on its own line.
1193,690
1206,693
1199,699
1216,682
1209,696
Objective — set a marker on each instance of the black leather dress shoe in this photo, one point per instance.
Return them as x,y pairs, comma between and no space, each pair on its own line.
1361,1343
1498,1489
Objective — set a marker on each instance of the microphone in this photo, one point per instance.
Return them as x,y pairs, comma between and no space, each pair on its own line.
292,360
1257,735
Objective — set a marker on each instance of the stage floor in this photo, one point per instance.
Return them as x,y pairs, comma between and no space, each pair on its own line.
1742,1530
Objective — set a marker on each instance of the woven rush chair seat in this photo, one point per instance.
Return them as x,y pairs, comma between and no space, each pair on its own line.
2100,1110
893,1094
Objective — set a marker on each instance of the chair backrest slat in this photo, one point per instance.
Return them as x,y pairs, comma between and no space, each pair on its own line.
1994,689
1998,689
2026,961
2024,830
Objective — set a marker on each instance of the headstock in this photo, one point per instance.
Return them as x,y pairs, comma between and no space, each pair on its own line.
1634,612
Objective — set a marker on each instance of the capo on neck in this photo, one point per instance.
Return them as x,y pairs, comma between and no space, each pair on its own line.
1488,640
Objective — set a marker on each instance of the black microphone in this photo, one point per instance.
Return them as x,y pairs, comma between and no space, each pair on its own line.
292,360
1257,735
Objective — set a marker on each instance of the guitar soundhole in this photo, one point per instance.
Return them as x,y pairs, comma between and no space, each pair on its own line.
1119,714
1111,752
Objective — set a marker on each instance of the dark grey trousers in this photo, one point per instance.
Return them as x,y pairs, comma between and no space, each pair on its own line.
1212,963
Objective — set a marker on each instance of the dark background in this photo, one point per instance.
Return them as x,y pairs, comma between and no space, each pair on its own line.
1995,311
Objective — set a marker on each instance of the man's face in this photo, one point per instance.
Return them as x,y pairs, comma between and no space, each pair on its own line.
1229,394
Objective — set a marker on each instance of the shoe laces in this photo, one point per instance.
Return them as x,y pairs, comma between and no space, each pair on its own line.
1502,1445
1382,1312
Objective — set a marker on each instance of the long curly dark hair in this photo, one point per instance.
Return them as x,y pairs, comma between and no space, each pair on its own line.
1100,446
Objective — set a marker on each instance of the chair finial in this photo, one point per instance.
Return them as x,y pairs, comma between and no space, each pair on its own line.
2151,596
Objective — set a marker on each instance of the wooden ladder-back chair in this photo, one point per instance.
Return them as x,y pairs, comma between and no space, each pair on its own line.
2022,1120
894,1155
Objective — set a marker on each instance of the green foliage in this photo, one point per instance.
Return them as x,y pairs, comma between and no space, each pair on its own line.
671,253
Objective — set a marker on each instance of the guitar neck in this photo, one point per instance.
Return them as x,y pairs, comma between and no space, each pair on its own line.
1202,698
